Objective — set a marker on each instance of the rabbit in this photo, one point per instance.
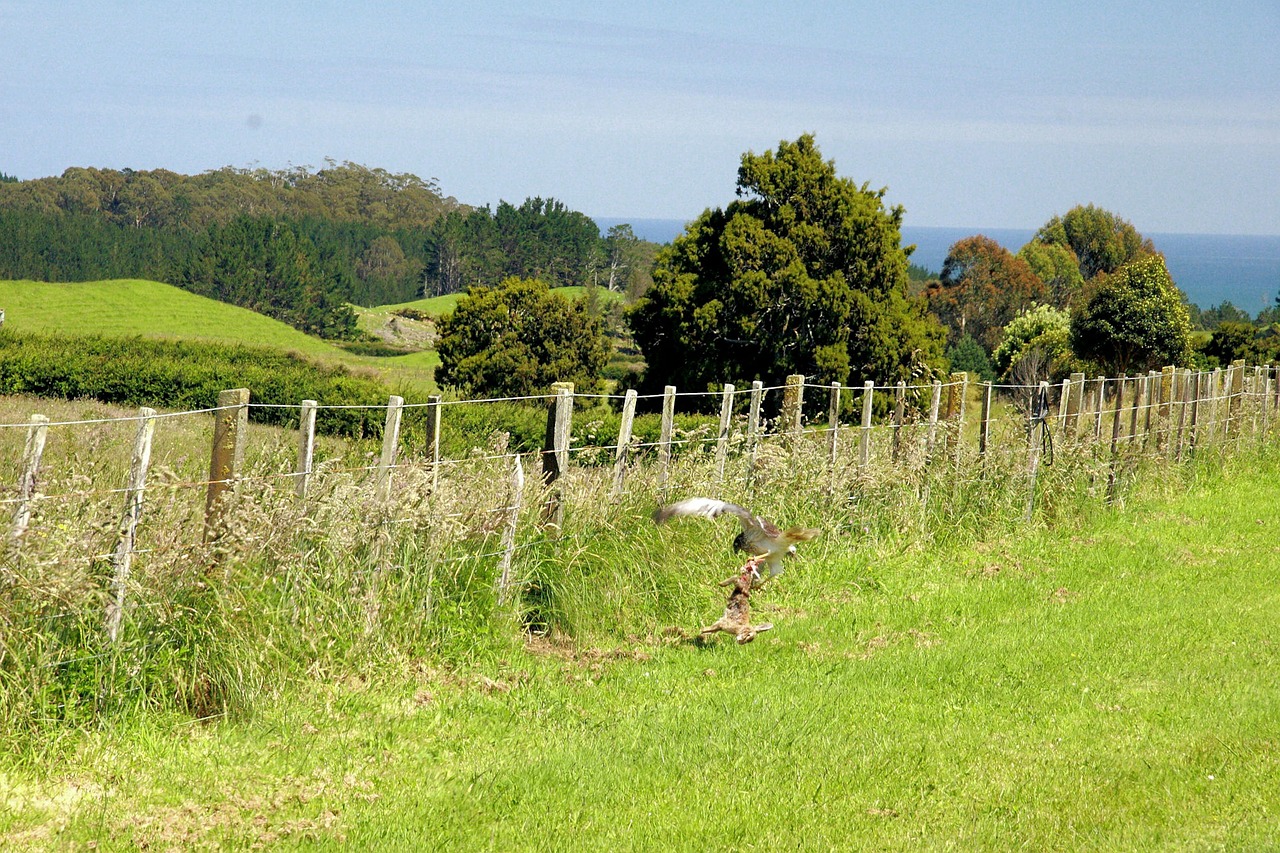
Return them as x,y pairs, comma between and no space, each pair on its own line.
737,610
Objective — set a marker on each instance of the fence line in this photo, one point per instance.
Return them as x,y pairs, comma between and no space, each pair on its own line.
1174,413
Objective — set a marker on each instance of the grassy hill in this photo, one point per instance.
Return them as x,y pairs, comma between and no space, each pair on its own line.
127,307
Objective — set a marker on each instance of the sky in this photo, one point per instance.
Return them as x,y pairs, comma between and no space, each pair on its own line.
978,114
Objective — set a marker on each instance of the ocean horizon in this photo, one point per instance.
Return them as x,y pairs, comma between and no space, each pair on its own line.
1243,269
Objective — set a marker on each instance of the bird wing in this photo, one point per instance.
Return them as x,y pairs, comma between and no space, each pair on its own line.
710,508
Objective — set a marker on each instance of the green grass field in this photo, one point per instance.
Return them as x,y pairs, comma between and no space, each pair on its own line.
126,307
1111,682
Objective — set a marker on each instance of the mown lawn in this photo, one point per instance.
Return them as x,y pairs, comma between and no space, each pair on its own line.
1110,684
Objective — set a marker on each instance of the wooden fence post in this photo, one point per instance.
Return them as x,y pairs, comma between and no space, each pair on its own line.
793,407
1113,472
1264,391
1193,429
127,534
1033,447
509,534
664,436
1235,399
1133,411
230,429
864,439
390,446
899,414
984,428
555,450
933,418
624,441
306,447
1074,403
753,423
957,392
37,434
1100,397
722,437
833,424
435,413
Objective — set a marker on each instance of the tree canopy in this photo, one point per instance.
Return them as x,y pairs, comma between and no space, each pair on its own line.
1134,319
517,338
1036,346
1101,241
983,287
802,273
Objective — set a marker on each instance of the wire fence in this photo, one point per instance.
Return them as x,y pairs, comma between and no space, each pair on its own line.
101,535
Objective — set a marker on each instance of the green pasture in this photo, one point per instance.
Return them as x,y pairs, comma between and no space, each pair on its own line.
127,307
1107,681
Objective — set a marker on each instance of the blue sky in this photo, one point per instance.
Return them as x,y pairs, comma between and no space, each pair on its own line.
979,114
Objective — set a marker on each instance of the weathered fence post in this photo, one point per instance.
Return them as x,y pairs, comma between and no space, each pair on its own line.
1138,384
1182,383
306,447
1235,399
957,391
1193,429
390,446
555,450
624,441
1074,394
1264,389
435,412
864,440
230,429
722,437
984,428
899,414
1036,418
1151,415
37,434
1166,408
753,424
664,436
1112,472
793,407
509,534
1064,397
127,534
1100,396
833,424
933,419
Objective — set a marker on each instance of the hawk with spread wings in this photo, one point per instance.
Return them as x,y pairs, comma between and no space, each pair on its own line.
763,540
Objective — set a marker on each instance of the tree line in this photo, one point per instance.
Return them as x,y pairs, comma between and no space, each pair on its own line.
804,273
299,244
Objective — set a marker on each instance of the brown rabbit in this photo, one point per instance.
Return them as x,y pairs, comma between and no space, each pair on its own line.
737,610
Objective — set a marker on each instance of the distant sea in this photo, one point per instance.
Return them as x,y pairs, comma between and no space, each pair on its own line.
1210,268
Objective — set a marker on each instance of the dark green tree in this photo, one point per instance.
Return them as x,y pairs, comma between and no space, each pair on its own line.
1134,320
1231,340
803,273
517,338
968,355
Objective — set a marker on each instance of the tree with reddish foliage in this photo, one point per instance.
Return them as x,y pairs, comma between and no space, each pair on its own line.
982,287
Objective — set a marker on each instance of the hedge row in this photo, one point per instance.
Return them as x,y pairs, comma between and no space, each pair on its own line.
186,375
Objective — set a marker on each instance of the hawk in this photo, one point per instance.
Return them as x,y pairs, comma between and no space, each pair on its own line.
760,538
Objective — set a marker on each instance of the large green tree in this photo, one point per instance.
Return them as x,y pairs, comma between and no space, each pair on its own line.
1101,241
1134,320
803,273
517,338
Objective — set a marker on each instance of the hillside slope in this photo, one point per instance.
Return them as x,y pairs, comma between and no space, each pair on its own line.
126,307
